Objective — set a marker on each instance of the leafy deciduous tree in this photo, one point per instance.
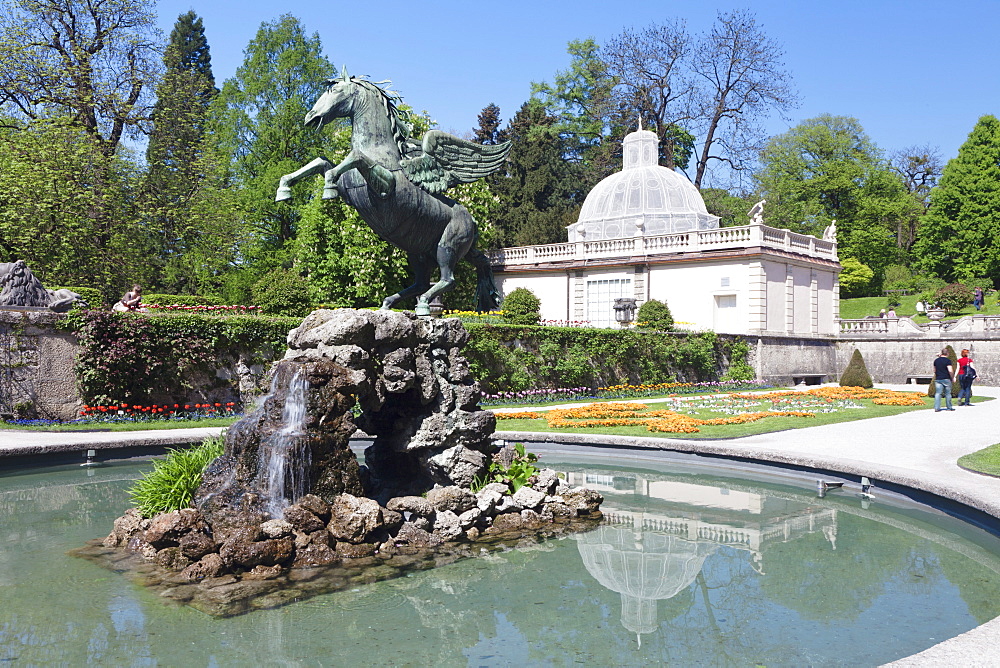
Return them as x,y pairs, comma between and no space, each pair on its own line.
826,168
582,99
652,81
257,120
54,218
920,169
93,62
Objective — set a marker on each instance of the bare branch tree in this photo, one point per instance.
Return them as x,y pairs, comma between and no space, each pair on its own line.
652,79
740,78
920,168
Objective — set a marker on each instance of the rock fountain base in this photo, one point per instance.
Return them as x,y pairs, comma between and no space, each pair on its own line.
287,512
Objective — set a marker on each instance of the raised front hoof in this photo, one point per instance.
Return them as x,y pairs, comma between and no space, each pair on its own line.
331,193
422,310
283,194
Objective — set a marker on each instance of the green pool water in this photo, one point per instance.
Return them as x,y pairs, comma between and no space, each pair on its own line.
692,567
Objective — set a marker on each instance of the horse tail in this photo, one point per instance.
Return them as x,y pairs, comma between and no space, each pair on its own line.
487,295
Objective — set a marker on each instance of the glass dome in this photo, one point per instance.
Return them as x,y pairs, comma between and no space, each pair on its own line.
644,199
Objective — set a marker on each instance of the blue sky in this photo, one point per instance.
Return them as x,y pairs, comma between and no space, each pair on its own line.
914,73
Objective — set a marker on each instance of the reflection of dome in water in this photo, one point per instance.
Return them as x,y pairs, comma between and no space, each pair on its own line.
643,567
641,200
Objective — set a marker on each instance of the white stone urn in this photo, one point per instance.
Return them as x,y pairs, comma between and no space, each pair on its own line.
935,313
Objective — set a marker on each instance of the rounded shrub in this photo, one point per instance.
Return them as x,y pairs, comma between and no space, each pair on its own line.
181,300
521,307
655,315
856,374
953,297
283,292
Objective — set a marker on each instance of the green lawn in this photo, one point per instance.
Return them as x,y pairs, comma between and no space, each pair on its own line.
985,461
152,425
708,432
860,307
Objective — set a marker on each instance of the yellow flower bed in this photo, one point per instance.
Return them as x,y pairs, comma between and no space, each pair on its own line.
669,421
645,387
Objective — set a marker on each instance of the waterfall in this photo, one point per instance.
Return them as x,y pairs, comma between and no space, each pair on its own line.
284,456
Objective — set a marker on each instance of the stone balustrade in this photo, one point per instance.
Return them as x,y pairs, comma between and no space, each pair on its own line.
978,326
747,236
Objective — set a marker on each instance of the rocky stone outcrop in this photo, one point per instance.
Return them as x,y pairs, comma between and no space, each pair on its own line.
313,532
416,394
416,397
288,492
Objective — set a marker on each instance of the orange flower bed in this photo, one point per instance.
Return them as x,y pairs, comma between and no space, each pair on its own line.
637,415
669,421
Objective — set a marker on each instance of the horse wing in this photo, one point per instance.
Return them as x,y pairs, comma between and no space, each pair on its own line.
448,161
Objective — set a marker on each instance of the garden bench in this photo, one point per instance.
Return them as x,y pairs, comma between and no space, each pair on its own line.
809,379
919,379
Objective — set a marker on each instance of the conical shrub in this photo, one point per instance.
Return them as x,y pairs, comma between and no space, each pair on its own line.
954,367
856,374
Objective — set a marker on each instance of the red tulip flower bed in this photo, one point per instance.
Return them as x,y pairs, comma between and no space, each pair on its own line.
124,412
202,308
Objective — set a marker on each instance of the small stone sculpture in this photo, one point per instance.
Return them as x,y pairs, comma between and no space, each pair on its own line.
830,233
757,213
20,287
397,186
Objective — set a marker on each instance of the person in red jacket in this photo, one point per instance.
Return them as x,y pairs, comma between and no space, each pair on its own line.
966,374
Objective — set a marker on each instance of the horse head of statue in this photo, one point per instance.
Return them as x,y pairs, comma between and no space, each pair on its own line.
347,95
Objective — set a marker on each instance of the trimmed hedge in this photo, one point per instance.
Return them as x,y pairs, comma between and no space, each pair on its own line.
93,297
138,357
511,358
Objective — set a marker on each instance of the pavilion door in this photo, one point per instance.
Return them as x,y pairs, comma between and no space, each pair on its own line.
725,317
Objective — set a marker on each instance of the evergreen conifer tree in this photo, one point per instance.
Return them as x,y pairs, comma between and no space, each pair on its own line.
176,144
856,374
541,192
954,367
488,131
957,238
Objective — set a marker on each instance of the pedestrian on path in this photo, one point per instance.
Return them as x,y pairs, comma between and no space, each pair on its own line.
943,373
966,374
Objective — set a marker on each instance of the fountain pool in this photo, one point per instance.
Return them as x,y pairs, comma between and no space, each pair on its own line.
692,565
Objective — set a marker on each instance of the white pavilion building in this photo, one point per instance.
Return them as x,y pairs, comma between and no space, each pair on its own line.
645,233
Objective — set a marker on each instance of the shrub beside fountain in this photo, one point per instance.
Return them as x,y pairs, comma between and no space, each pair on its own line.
287,512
